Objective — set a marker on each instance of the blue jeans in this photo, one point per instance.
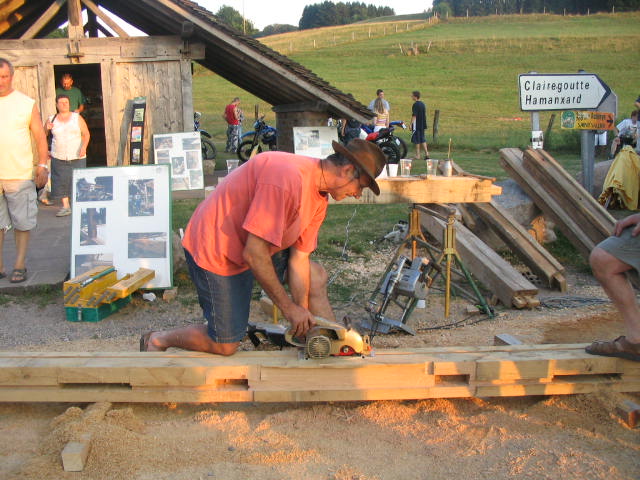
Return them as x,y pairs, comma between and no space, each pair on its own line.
226,300
233,138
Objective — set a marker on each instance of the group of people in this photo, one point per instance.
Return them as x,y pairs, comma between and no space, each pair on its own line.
20,122
380,106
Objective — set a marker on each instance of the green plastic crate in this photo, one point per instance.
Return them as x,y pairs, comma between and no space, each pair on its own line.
76,314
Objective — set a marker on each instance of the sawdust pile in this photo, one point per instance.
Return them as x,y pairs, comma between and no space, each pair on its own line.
556,437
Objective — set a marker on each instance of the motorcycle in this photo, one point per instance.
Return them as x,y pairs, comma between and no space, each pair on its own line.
250,141
400,143
208,148
385,139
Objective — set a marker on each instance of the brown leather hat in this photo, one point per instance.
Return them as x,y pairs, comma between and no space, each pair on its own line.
367,156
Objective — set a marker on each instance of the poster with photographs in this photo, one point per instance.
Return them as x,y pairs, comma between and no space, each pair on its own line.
183,151
314,141
122,218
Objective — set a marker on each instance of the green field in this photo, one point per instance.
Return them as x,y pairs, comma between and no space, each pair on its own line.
467,69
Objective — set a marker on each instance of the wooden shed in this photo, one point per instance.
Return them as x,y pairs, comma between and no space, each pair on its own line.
114,68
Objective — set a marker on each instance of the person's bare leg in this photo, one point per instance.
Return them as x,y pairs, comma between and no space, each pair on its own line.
22,242
318,296
610,272
192,337
65,202
426,150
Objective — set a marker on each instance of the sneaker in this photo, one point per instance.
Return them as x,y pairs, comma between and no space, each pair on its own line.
63,212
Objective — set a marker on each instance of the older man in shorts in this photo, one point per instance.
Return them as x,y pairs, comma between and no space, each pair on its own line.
612,260
262,223
20,120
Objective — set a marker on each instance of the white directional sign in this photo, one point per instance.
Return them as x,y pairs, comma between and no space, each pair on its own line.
579,91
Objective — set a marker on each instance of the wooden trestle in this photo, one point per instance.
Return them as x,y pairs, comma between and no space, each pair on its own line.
281,376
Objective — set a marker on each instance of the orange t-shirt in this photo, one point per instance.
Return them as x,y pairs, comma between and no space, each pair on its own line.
272,196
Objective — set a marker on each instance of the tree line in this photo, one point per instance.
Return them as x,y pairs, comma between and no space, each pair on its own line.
327,14
461,8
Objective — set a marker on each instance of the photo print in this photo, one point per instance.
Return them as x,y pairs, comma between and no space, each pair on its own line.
94,189
141,198
177,165
191,143
93,226
136,134
193,159
85,262
135,155
180,183
147,245
163,156
163,142
196,179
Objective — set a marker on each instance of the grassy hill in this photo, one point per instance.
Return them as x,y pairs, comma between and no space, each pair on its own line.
467,69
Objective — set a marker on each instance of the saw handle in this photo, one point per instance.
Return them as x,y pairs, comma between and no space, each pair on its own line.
319,321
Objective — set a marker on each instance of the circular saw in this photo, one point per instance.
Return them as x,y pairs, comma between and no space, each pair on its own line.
329,338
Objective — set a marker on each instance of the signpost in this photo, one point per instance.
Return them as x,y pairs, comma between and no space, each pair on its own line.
553,91
572,91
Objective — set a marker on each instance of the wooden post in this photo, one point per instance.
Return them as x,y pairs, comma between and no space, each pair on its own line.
547,132
436,121
92,24
74,9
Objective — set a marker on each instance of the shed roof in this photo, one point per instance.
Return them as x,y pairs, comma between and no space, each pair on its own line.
242,60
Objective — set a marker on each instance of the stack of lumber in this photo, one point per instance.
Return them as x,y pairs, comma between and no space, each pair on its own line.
522,244
560,197
495,273
282,376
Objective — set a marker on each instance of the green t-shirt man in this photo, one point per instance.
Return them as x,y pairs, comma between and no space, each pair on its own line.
76,98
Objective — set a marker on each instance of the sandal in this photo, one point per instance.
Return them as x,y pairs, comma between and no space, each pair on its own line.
620,347
144,341
18,275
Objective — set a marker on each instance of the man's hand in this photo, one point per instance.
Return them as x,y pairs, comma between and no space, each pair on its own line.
627,222
301,320
42,176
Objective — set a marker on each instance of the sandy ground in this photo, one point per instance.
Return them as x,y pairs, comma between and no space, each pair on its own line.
567,437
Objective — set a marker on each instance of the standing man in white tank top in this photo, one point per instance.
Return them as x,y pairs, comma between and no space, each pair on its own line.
20,119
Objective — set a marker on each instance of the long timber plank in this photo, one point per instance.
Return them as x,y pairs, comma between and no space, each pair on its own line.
283,376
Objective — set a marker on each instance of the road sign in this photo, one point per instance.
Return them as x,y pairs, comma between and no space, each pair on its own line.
589,120
557,91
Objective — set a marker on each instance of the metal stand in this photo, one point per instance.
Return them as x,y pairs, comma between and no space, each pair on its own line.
388,284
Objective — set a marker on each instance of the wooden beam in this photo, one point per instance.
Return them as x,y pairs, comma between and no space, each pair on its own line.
105,18
45,18
429,189
522,244
276,376
491,269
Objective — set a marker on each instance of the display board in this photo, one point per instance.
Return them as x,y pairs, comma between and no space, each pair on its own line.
122,217
314,141
183,151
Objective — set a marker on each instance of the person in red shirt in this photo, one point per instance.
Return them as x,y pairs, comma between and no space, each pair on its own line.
232,114
262,223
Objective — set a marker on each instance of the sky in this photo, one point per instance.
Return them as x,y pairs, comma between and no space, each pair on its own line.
267,12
